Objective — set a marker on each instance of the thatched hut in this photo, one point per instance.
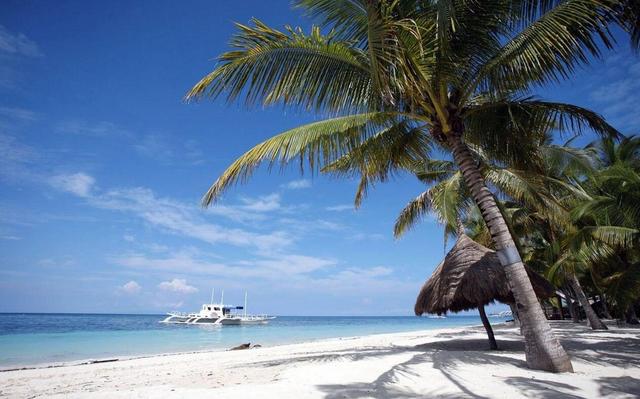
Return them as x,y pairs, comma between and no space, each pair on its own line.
470,276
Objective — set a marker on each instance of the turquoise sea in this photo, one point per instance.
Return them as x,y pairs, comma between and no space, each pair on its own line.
43,339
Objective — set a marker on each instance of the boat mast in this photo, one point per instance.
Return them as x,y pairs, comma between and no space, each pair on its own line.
245,304
222,299
213,290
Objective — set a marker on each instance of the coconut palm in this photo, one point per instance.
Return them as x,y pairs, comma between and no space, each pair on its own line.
398,78
609,221
536,211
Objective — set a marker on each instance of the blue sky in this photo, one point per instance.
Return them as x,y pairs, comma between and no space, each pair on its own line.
102,166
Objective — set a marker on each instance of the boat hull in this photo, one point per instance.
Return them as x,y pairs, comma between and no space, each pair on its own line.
190,319
238,321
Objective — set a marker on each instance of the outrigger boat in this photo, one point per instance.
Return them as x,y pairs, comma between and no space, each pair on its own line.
218,314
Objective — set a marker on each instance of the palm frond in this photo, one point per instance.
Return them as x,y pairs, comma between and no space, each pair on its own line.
616,236
317,143
412,213
511,130
550,48
399,146
348,18
310,71
448,199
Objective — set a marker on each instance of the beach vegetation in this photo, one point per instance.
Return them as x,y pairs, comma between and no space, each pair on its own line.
399,81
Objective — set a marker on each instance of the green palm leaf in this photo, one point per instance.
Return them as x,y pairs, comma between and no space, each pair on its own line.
317,143
310,71
550,48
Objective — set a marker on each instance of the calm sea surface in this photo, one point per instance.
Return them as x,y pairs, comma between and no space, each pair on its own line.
36,339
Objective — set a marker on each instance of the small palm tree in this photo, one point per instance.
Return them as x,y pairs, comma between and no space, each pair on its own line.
404,77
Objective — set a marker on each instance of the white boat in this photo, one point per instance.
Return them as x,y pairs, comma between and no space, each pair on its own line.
504,313
437,316
218,314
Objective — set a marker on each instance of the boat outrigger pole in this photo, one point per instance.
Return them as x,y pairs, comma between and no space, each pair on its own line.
245,304
213,290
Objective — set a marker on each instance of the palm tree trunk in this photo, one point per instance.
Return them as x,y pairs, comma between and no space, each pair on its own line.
559,299
605,307
594,320
542,349
573,312
487,326
632,317
516,318
576,317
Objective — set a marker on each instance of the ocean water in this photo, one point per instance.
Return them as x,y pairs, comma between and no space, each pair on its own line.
44,339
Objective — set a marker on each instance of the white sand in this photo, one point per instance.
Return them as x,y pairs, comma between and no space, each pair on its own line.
452,363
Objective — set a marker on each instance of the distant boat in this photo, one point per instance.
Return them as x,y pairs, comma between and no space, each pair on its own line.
217,314
504,313
435,316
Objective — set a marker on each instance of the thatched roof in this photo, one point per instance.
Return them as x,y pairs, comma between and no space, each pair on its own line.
470,275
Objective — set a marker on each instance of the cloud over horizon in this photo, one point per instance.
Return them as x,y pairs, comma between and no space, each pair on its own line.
178,285
130,288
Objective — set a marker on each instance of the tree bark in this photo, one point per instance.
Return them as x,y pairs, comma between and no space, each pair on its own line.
542,349
559,299
605,307
594,320
632,317
487,326
573,312
516,318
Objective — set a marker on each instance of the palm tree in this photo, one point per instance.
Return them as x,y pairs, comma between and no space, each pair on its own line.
537,210
609,221
399,78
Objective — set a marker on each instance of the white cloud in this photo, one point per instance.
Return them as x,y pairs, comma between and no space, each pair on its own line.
356,282
130,288
179,261
298,184
339,208
18,113
10,238
367,236
155,146
619,94
16,159
79,183
173,216
264,203
177,285
251,209
193,262
18,44
58,263
290,272
129,238
167,149
293,264
97,129
305,226
185,219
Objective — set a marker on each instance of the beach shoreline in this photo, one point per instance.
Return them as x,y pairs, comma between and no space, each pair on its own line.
446,363
111,359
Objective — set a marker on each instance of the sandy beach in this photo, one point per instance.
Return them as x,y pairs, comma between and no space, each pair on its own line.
449,363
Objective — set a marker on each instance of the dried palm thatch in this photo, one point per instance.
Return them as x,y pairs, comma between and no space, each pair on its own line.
471,276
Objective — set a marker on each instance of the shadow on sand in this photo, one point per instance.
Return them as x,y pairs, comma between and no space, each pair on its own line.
599,348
